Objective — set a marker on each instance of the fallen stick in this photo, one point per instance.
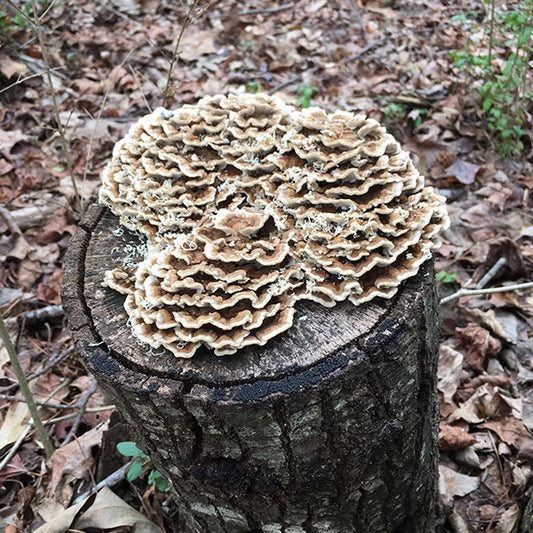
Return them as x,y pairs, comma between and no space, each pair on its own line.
474,292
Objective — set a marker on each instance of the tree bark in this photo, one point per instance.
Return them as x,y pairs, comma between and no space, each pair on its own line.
330,427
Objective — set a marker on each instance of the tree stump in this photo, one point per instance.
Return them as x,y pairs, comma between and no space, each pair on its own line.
330,427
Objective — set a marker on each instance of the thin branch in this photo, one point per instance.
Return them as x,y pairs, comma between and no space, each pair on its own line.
53,362
193,12
268,11
138,81
49,405
292,81
98,117
491,273
110,481
81,405
474,292
16,446
74,415
360,20
44,313
59,124
25,389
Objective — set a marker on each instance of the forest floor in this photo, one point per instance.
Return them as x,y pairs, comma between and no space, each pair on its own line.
388,59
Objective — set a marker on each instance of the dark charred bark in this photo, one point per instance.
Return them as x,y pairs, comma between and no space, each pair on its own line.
331,427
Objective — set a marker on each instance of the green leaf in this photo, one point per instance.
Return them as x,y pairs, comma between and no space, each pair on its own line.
130,449
487,104
134,470
445,277
59,169
161,484
524,35
154,475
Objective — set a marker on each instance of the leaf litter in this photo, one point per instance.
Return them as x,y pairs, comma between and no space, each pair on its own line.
387,59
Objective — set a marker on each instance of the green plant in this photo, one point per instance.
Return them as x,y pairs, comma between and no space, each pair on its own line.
18,22
252,87
306,92
394,111
445,277
130,449
502,65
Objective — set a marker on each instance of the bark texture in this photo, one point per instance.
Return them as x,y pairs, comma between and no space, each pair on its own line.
331,427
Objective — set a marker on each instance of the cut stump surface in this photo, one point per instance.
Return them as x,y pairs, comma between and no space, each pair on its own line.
330,427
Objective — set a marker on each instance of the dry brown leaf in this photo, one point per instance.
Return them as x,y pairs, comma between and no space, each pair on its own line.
463,171
480,345
14,424
198,43
454,437
106,511
8,139
486,402
489,320
452,483
72,462
9,67
449,373
509,520
509,430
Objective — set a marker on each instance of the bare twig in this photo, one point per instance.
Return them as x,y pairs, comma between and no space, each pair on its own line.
21,80
474,292
81,405
9,220
99,116
492,273
134,74
53,361
268,11
16,445
360,20
296,79
50,405
25,389
110,481
195,10
59,125
383,40
74,415
45,313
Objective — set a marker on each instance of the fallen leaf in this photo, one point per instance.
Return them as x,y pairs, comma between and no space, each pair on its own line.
14,424
463,171
454,437
72,462
510,250
486,402
8,296
509,430
105,512
449,373
509,520
8,139
14,468
10,68
452,483
480,344
489,320
197,43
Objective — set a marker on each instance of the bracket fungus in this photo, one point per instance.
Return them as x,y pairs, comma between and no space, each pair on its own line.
249,205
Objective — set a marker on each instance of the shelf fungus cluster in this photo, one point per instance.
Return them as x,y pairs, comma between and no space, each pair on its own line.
249,206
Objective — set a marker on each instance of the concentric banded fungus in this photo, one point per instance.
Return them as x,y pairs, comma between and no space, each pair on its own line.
249,205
